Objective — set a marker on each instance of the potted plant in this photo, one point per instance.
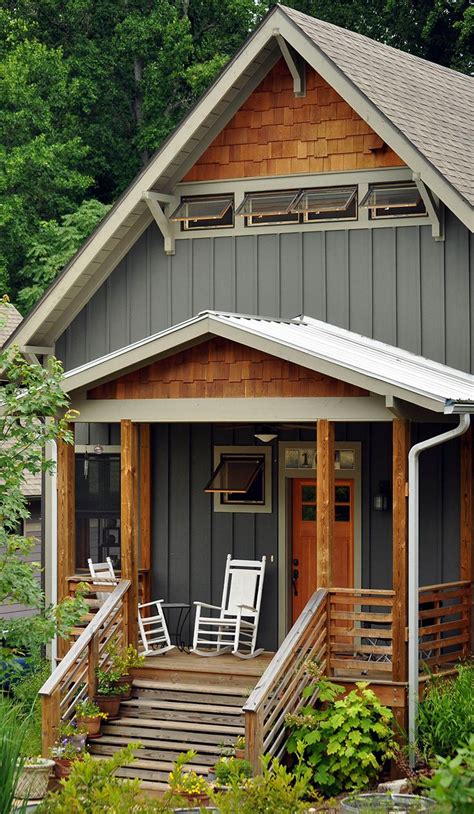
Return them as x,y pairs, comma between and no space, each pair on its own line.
34,778
389,803
90,717
239,748
128,661
109,693
69,747
188,785
231,770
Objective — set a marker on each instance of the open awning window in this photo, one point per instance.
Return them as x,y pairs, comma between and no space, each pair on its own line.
391,200
325,200
269,207
202,211
236,474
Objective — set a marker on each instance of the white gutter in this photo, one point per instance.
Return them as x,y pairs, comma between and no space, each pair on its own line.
413,569
54,543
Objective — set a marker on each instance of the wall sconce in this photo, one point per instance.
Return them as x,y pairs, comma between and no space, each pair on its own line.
265,435
381,500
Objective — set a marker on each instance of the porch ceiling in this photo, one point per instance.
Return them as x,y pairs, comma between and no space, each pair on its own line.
382,369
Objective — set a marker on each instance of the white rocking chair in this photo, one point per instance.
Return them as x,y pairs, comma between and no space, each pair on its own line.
154,630
236,624
102,573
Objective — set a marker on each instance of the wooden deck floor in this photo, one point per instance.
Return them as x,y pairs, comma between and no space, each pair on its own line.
187,667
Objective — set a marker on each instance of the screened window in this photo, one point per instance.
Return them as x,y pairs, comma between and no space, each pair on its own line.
239,479
393,201
259,208
97,509
327,203
205,212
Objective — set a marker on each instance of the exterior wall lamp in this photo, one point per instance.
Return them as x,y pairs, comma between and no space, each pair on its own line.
381,500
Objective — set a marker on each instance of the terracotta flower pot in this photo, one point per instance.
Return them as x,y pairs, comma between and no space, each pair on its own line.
62,767
92,726
240,754
126,681
34,779
110,704
195,800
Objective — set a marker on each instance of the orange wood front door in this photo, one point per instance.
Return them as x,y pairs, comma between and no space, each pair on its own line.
304,577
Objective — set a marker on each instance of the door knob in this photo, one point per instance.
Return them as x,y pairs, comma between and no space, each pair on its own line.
294,581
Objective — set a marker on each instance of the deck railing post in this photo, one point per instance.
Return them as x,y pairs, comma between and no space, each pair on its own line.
254,738
92,665
51,717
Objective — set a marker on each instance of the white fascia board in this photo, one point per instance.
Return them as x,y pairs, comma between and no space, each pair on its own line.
148,178
384,128
238,410
296,355
125,360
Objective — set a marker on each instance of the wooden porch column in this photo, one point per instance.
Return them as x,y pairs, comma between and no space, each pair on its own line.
145,508
129,521
466,519
400,449
325,501
66,531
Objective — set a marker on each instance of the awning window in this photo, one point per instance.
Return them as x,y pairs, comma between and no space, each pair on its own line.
393,200
239,479
327,203
268,207
204,211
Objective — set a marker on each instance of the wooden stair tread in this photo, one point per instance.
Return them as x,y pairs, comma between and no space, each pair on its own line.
143,703
217,689
156,745
158,765
193,727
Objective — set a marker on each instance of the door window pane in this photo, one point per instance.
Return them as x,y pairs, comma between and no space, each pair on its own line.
308,494
342,494
308,512
342,514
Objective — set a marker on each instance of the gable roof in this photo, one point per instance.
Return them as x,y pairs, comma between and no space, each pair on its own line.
10,318
337,352
430,138
431,105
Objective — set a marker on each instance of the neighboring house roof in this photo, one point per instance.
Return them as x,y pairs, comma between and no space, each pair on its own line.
368,363
432,105
10,318
421,110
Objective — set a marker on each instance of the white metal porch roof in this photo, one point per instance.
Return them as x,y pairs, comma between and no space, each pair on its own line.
368,363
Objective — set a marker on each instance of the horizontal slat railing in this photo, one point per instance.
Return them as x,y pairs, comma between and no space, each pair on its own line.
278,691
444,624
360,632
75,676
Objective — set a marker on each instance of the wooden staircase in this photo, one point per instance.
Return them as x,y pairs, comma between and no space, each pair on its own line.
181,702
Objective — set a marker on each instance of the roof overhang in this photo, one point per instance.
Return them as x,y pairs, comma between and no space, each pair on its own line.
130,216
335,352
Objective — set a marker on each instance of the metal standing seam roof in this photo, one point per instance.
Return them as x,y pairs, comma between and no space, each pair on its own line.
311,339
433,106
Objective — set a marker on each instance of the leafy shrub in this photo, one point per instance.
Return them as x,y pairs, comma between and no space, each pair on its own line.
275,790
346,740
452,784
230,769
446,714
92,787
186,782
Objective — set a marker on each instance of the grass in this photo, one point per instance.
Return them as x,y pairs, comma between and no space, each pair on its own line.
446,714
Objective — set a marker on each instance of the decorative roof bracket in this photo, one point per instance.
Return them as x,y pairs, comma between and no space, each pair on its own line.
434,208
154,201
296,64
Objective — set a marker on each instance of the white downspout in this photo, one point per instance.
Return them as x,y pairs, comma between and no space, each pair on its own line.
54,543
413,568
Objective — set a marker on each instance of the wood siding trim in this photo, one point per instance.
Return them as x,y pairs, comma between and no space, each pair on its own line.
66,515
220,368
128,523
466,520
276,133
400,449
325,501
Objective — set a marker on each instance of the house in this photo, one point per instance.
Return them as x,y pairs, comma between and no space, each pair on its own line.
10,318
288,281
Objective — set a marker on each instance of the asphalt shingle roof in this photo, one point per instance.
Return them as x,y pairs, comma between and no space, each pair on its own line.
431,105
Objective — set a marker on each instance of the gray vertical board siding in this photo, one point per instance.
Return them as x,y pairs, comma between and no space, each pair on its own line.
396,284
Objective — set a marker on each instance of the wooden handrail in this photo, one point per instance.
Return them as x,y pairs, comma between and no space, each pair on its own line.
82,643
285,653
463,583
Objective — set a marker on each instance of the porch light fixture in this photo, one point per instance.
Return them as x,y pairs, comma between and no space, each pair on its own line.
326,200
235,474
390,200
381,501
98,449
265,437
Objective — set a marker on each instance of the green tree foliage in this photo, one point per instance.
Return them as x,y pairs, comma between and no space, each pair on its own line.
30,403
92,87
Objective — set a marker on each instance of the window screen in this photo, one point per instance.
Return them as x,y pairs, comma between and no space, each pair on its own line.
204,212
393,201
239,479
97,509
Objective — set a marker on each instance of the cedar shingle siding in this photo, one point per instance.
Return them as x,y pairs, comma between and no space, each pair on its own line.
276,133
